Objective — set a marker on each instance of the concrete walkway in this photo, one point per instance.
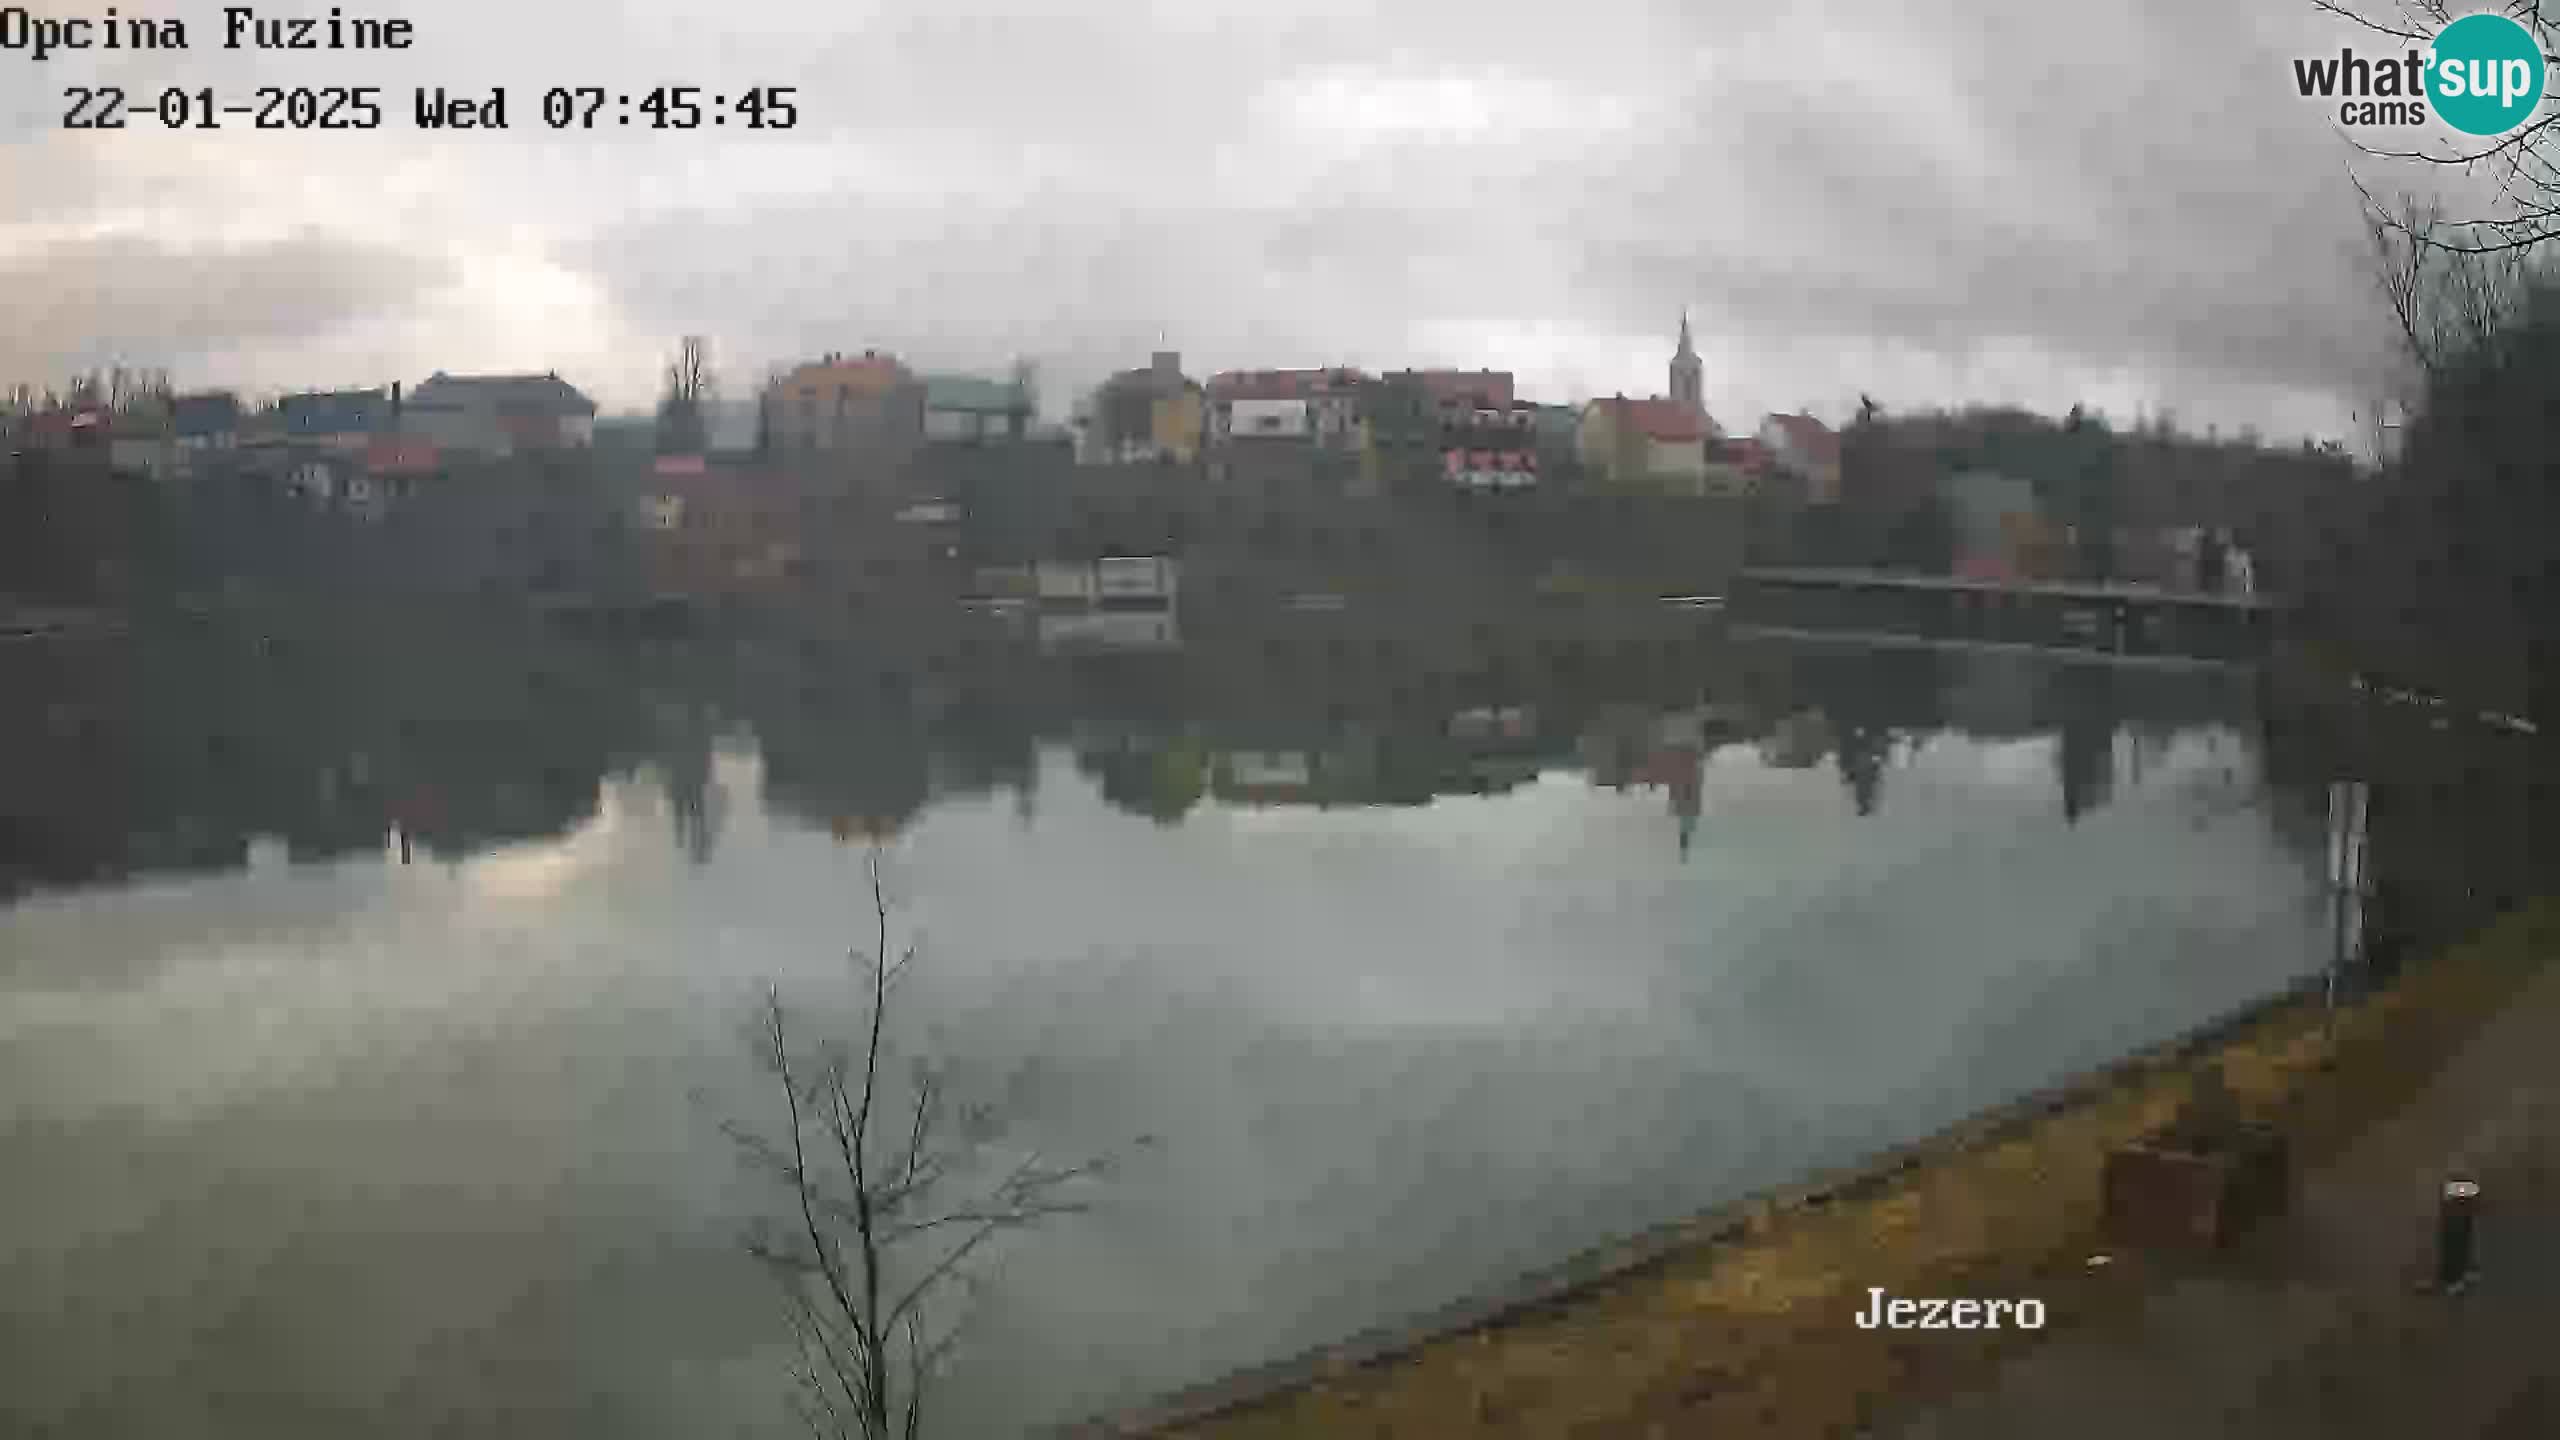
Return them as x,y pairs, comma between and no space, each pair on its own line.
2314,1326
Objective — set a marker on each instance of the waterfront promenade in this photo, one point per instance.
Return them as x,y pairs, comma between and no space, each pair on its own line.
2315,1327
2312,1325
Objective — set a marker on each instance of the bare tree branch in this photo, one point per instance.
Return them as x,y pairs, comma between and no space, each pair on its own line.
915,1131
849,1370
2525,213
799,1158
835,1267
862,1130
2331,7
942,1268
915,1380
684,403
1012,1215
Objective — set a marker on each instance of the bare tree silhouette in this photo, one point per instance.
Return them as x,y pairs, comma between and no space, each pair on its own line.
2524,165
872,1256
684,405
2449,301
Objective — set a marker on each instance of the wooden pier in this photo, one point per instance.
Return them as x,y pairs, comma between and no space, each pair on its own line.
2099,619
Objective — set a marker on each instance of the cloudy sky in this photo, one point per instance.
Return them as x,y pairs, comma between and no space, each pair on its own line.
1927,200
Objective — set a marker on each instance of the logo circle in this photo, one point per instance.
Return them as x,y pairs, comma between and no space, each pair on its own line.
2484,74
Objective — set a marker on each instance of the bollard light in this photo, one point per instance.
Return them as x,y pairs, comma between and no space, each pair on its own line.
2455,1213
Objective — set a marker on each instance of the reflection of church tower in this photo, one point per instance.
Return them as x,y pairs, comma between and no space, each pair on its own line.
1688,373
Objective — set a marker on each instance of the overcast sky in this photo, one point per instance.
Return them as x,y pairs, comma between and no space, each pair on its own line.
1926,200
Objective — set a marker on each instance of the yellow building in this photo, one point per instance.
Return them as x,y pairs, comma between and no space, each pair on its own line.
1155,413
1632,442
1175,423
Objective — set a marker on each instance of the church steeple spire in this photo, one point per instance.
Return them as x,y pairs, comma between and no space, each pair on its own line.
1688,373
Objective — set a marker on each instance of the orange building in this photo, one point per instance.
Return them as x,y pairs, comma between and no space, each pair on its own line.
844,404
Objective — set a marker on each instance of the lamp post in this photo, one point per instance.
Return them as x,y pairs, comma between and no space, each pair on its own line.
2457,1206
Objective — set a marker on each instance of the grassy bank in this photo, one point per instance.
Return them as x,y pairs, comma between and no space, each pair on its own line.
1746,1326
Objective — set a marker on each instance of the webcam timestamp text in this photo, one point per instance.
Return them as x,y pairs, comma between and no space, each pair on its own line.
436,107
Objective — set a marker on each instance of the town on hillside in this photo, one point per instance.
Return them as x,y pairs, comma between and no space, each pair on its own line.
856,478
1097,721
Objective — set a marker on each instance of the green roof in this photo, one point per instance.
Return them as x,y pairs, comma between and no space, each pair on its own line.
969,392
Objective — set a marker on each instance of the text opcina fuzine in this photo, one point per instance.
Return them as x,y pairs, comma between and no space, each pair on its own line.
1886,1312
238,27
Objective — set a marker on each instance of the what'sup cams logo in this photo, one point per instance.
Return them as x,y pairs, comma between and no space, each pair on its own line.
2482,75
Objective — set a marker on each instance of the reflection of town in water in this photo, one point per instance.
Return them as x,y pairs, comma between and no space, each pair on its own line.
443,737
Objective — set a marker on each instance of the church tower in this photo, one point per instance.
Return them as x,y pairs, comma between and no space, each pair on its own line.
1688,373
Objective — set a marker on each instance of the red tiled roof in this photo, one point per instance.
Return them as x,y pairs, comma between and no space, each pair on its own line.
59,424
1667,421
1818,441
400,456
1456,461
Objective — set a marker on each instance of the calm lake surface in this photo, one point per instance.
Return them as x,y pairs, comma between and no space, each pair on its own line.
303,1140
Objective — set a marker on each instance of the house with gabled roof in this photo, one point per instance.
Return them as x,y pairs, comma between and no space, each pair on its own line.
867,404
1631,441
209,421
973,410
1319,404
499,415
1804,447
1664,439
336,419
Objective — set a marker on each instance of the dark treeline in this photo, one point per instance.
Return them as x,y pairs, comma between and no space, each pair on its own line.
329,732
1281,521
2103,497
2430,599
2446,574
171,748
77,530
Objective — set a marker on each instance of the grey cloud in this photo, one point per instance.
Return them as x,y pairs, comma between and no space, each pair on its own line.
2139,208
2125,187
2091,190
128,297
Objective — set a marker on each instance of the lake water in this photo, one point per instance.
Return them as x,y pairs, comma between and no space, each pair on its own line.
303,1140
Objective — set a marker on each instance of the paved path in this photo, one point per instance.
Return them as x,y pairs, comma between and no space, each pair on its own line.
2314,1327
